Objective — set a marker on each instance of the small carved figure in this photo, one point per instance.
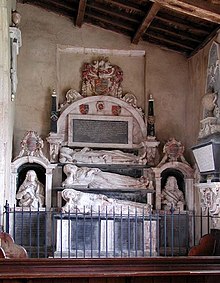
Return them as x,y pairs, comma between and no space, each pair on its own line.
31,191
172,197
86,203
97,179
90,156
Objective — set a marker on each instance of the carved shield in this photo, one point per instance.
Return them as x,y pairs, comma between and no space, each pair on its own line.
84,108
116,110
31,144
101,86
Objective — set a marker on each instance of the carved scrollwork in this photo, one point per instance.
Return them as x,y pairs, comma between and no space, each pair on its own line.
32,145
210,201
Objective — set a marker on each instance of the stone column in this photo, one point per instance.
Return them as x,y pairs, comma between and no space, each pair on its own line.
6,106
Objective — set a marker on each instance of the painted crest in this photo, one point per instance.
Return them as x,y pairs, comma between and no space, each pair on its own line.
116,110
84,108
100,106
101,78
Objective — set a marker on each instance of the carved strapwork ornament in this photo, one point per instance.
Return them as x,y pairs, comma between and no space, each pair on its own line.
210,201
31,145
173,151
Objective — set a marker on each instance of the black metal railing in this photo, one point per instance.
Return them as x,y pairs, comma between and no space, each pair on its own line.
102,235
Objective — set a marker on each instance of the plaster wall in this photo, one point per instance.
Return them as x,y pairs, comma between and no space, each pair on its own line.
43,66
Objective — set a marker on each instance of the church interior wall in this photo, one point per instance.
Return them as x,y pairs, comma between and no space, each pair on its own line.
42,67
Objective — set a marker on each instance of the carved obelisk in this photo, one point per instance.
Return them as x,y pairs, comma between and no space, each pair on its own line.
54,113
151,118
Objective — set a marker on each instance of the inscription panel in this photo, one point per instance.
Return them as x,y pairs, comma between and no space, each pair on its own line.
100,131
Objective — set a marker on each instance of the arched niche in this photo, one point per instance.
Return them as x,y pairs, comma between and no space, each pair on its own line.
185,179
42,167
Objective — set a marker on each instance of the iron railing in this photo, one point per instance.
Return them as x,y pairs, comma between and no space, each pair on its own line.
102,235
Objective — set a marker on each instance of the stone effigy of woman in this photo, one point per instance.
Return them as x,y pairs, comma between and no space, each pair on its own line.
96,179
81,202
90,156
172,197
31,192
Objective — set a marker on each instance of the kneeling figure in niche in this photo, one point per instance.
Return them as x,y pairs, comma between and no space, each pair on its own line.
31,191
81,202
172,197
97,179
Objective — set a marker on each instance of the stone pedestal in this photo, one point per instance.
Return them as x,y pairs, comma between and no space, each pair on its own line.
102,236
210,201
209,126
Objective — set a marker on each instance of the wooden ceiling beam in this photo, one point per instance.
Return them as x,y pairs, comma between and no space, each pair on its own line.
120,4
81,13
196,8
183,27
208,38
175,34
165,40
146,22
109,21
112,13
